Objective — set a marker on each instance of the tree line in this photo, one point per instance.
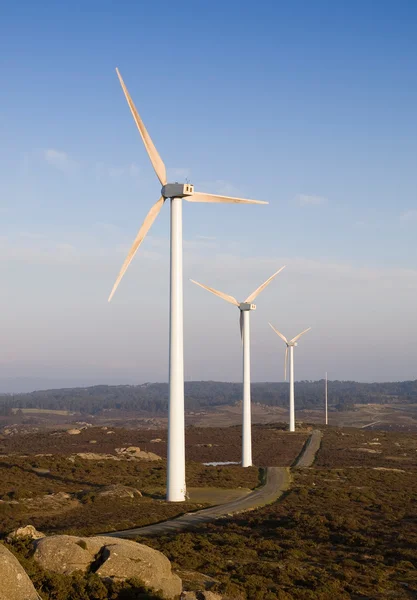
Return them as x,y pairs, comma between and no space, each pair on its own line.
200,395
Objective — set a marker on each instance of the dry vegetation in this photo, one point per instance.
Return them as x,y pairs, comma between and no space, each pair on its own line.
357,448
66,496
78,586
271,444
338,533
346,529
45,483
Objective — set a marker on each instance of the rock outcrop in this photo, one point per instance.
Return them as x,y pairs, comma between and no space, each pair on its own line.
136,452
110,558
119,491
22,532
15,584
200,596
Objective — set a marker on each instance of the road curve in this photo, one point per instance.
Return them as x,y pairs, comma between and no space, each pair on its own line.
277,481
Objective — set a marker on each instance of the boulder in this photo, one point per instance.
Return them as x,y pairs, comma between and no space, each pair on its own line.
124,559
73,431
111,558
66,553
136,452
22,532
15,583
200,596
119,491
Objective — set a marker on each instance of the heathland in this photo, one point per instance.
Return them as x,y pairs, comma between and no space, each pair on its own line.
346,528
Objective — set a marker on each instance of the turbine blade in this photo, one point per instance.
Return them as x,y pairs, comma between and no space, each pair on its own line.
279,333
285,363
241,325
263,286
294,339
156,160
147,224
217,293
199,197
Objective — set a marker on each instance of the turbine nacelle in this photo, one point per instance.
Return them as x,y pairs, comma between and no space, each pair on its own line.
289,344
247,306
177,190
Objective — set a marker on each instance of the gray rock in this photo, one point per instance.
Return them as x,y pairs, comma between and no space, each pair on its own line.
15,583
124,559
200,596
113,558
119,491
136,452
28,531
66,553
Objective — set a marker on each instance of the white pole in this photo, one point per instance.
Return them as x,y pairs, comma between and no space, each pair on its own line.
246,417
292,408
325,399
176,440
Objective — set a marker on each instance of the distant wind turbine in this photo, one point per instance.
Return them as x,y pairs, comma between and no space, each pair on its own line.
290,344
176,490
325,401
244,308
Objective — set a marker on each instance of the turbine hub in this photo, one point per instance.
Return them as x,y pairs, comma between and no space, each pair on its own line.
177,190
247,306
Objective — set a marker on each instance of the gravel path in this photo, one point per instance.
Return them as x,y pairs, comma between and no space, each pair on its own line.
309,451
277,481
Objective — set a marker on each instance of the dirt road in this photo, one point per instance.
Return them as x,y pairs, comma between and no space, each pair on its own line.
277,481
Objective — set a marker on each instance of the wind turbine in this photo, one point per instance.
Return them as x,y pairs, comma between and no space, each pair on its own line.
176,490
244,308
290,344
325,401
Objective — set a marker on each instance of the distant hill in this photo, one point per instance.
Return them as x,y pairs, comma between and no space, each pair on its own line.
153,397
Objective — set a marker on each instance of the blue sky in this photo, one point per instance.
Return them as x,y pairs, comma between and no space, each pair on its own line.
311,106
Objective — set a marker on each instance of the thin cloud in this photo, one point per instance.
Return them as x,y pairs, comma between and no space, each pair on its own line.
222,187
131,170
90,250
180,173
305,200
409,216
59,160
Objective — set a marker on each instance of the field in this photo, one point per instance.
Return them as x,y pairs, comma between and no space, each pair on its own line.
363,448
346,529
338,533
66,483
42,411
271,444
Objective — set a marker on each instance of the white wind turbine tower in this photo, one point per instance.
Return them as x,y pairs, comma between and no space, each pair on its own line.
176,490
290,344
244,308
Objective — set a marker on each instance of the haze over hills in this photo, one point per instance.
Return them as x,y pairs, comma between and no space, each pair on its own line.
19,385
153,397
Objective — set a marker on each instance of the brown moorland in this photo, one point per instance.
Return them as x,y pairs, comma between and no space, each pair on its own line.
45,483
338,533
350,447
272,445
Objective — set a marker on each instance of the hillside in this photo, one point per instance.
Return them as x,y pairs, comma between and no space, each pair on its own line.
152,398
